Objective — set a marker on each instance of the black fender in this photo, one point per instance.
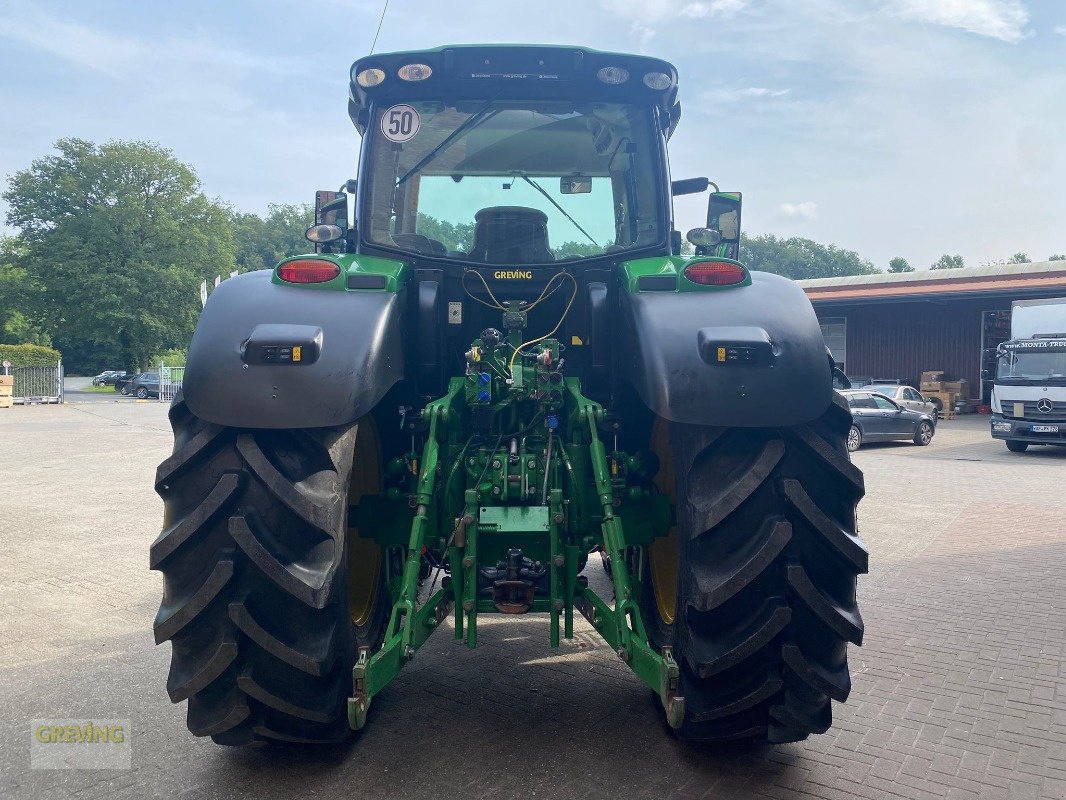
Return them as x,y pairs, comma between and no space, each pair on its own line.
241,371
774,372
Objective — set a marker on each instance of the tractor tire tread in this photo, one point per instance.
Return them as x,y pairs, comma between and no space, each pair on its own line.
769,557
252,556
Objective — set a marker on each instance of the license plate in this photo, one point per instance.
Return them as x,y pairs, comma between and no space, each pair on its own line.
1044,429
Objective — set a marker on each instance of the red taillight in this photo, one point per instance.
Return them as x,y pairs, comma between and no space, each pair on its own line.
308,270
715,273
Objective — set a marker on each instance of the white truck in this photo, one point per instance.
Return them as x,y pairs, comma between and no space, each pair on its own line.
1029,389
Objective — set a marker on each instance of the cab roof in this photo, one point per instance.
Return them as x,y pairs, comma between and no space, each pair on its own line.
515,72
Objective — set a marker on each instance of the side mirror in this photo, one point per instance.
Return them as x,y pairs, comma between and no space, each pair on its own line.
723,215
331,212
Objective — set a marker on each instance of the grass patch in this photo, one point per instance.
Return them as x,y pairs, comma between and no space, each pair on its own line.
99,389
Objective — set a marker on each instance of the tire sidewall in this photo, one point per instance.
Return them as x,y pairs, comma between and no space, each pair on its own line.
924,434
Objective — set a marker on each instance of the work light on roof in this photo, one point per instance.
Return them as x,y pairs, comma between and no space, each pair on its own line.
658,81
612,75
414,72
370,77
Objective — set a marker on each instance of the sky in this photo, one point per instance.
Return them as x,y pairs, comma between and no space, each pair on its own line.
891,127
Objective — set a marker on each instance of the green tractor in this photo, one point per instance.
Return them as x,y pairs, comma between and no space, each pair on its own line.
499,368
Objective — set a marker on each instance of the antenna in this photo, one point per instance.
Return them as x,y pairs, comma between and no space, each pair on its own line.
378,32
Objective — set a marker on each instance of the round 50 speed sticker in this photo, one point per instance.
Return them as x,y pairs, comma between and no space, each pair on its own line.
400,123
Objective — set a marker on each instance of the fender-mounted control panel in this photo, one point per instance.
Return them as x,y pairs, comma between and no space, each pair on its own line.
735,347
282,344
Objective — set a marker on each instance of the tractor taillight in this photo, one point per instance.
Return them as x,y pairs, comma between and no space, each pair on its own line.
308,270
715,273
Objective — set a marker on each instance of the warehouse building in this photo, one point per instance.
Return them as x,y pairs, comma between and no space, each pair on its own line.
897,326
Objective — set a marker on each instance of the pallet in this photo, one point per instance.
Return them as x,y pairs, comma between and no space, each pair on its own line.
947,401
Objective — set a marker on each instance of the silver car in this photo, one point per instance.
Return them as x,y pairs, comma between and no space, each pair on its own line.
906,396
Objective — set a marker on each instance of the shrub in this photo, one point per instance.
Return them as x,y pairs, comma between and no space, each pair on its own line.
29,355
170,358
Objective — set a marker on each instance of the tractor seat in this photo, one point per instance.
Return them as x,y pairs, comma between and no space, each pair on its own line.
510,235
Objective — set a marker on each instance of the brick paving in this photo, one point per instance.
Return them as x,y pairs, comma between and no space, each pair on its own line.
959,691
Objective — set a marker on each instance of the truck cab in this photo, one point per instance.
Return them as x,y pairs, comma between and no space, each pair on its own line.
1029,392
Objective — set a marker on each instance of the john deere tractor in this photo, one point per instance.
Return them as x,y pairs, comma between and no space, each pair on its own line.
497,366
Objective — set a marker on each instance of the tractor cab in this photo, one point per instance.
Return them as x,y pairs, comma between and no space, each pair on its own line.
515,174
513,156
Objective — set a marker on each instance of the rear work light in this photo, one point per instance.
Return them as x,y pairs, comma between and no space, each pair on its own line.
715,273
370,77
414,72
308,270
659,81
613,76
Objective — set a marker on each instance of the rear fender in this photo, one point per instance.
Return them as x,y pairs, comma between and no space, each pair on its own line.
240,375
774,370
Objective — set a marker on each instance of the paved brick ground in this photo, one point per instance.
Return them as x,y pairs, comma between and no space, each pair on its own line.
959,691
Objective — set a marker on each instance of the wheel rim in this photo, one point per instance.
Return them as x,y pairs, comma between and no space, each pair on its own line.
662,553
926,433
853,439
364,554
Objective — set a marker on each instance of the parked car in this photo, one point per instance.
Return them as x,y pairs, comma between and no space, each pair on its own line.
122,385
108,377
906,396
118,376
876,418
144,385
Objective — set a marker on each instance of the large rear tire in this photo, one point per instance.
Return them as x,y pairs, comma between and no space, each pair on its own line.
256,556
765,569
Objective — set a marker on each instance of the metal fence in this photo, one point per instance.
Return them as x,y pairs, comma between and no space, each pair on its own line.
38,384
170,379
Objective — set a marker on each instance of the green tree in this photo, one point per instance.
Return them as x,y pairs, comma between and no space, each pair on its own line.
800,259
1056,257
116,238
262,243
948,262
1019,258
898,264
456,237
577,250
18,324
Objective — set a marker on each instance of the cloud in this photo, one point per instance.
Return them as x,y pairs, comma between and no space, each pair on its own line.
647,15
721,97
114,54
78,44
998,19
762,91
1060,30
808,209
715,8
650,12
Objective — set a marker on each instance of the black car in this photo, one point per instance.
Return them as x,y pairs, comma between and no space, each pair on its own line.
110,377
876,418
122,385
144,385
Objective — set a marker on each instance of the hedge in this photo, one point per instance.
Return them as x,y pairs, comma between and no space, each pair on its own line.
29,355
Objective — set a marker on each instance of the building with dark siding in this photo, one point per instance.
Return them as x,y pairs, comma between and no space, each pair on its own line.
897,326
